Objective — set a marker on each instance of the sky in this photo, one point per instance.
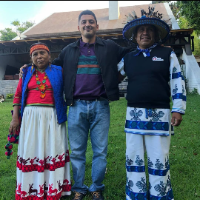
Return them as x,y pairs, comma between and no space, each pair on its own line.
36,11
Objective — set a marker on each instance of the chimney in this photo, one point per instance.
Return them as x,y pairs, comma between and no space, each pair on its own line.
113,10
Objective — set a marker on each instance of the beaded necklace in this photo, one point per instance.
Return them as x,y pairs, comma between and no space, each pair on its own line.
42,87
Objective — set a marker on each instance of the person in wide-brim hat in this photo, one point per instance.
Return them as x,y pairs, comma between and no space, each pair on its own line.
154,77
130,29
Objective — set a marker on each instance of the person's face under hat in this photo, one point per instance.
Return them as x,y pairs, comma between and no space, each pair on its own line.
145,36
40,58
88,26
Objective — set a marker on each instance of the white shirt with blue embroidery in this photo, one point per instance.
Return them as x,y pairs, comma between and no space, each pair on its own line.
158,121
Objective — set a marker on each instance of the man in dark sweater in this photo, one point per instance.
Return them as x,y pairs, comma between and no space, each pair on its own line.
154,75
90,82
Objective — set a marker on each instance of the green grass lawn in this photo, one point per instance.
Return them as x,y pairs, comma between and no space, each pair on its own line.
184,155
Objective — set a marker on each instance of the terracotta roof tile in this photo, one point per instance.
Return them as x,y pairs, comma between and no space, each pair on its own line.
66,23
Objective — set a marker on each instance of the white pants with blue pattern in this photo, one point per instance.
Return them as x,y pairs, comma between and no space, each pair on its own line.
157,148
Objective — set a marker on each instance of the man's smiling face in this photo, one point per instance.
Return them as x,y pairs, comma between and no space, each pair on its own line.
145,36
88,26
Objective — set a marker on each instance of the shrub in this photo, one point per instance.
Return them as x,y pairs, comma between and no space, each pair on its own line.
9,96
194,92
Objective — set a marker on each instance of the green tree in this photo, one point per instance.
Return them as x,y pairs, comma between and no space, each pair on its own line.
9,34
21,27
191,11
196,44
184,24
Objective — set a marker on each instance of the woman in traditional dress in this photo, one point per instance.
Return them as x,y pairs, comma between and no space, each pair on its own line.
43,170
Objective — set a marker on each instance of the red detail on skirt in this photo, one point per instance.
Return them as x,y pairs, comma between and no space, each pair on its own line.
34,197
29,166
51,194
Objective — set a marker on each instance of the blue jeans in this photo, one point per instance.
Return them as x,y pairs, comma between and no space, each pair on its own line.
84,117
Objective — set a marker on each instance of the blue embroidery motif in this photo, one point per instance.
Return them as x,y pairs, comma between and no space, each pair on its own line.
158,164
142,185
135,115
139,161
179,96
130,184
150,163
174,70
175,90
128,161
176,75
136,196
155,116
142,125
161,188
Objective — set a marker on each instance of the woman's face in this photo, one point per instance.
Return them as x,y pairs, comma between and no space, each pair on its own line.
40,58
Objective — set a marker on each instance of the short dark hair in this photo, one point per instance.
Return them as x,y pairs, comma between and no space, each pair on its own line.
87,12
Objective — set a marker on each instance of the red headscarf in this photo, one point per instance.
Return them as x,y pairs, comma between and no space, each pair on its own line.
37,47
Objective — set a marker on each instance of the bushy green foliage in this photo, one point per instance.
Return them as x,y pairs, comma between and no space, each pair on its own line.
9,34
9,96
184,24
21,27
194,92
196,43
191,11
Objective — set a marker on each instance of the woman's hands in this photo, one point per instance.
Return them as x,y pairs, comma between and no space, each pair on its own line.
14,125
21,70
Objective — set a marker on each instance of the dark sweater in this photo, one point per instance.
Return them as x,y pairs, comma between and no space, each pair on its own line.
108,55
148,78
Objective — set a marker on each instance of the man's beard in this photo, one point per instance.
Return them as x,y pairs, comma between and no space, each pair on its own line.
89,35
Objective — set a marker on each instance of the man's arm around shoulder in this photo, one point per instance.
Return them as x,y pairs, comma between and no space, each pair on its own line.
121,51
59,60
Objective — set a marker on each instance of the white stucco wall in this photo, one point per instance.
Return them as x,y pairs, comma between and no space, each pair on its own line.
192,72
8,86
172,18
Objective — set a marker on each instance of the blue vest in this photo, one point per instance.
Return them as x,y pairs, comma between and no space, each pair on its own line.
55,77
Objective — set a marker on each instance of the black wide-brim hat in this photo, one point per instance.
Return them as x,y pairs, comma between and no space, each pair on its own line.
161,26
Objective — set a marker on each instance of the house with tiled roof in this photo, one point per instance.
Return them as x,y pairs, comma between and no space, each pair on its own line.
61,29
